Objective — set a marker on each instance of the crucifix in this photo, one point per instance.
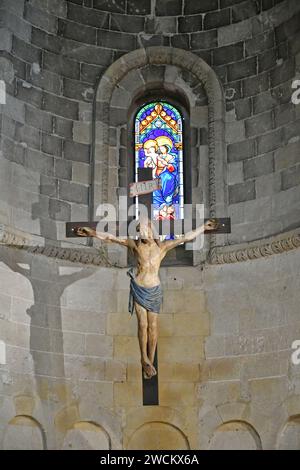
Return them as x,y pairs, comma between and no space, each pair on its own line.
145,288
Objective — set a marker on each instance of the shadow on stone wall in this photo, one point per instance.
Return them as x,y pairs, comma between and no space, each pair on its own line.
48,285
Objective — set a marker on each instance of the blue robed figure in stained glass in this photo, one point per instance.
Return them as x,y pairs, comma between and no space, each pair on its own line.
158,137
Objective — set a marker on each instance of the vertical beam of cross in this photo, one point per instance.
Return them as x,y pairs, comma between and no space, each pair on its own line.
150,386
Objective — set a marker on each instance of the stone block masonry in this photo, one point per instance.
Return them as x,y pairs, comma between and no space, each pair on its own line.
59,50
72,365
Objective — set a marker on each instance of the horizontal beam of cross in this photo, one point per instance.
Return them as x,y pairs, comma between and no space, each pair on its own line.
162,227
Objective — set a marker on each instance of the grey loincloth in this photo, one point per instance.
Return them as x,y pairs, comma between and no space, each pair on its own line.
148,297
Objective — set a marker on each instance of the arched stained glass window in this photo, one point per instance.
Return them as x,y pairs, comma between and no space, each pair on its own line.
159,145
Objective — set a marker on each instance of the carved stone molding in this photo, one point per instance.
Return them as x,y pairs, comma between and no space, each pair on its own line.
75,255
39,246
257,249
98,256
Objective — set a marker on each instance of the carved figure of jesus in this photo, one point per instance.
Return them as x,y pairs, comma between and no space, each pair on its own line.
145,288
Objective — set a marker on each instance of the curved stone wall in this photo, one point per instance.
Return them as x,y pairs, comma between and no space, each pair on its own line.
54,54
69,361
70,376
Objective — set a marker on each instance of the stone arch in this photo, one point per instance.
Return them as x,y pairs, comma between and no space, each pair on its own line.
103,417
158,435
86,435
118,88
235,435
289,437
137,417
24,433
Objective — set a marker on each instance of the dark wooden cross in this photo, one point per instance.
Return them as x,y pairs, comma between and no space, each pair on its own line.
150,386
144,188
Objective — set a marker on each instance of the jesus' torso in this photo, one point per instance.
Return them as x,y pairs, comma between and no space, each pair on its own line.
149,255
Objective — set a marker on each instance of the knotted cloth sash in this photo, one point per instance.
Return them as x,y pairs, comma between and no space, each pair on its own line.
148,297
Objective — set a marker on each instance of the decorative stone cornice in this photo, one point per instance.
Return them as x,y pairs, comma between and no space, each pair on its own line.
98,256
75,255
12,237
38,245
256,249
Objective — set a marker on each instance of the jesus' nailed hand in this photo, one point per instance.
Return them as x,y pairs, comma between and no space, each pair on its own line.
145,289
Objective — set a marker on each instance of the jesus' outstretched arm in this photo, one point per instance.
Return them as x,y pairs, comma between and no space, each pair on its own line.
211,224
103,236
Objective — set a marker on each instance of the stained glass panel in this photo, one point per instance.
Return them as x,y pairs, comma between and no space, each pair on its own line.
158,145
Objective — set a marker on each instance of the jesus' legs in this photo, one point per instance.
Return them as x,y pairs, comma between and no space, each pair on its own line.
141,313
152,334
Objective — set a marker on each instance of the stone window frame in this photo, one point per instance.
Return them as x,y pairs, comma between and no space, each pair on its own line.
126,78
